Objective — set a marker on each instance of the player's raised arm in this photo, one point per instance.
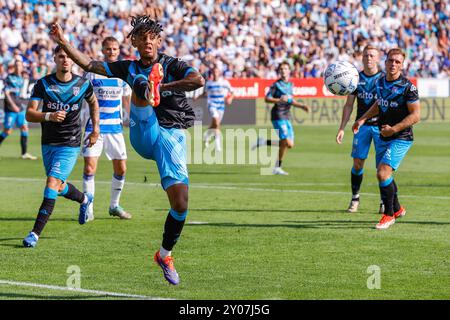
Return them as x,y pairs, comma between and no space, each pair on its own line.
191,82
346,112
372,112
88,65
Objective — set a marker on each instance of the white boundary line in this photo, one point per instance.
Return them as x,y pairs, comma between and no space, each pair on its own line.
231,186
96,292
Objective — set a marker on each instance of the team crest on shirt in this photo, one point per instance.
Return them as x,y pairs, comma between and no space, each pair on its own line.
53,88
76,90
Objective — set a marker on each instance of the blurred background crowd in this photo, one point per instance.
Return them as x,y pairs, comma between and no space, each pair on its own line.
246,38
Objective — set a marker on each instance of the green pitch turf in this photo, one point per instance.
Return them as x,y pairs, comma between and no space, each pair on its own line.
248,236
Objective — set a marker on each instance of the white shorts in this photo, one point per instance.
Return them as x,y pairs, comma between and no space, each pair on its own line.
216,113
112,143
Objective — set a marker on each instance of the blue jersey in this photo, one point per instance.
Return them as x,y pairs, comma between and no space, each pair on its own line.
393,97
62,96
14,85
109,93
281,110
174,110
366,95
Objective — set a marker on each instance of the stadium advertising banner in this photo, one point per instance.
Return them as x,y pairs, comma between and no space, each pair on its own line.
249,108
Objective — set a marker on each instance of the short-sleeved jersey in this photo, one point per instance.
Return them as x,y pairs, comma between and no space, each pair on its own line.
393,97
109,93
62,96
14,85
217,92
174,110
281,110
366,95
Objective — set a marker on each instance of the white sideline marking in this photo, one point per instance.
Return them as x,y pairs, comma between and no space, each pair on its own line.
96,292
230,186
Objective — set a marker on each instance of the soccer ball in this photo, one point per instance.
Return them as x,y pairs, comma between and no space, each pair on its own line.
341,78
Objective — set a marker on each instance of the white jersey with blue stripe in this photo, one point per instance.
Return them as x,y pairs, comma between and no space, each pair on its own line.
217,91
109,93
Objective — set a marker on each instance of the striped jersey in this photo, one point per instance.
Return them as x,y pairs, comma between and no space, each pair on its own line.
109,92
217,91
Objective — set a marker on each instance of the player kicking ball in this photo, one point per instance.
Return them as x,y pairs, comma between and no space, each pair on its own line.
365,95
61,94
398,109
281,95
157,119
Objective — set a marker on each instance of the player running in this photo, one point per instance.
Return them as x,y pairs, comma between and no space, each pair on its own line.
398,108
61,94
159,81
365,94
281,94
15,109
218,91
112,94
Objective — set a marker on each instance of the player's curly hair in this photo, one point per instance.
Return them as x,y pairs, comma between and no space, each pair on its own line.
144,24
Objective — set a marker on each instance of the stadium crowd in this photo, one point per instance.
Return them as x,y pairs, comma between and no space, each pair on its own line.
247,38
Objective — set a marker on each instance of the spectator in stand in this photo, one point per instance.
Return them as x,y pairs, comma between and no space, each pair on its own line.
306,33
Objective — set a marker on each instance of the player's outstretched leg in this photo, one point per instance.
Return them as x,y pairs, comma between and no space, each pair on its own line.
178,197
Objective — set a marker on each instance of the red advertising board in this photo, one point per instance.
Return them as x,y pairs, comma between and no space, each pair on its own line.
253,88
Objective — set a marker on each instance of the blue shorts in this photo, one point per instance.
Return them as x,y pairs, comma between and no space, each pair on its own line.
284,128
363,139
59,160
166,146
15,118
392,152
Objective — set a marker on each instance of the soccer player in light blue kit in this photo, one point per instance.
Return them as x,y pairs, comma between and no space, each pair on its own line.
398,109
282,96
61,95
15,109
157,119
365,94
112,95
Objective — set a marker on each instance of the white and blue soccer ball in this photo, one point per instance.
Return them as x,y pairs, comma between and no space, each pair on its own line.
341,78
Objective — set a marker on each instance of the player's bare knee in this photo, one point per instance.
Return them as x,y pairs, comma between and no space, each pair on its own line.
54,183
358,164
383,174
180,206
8,131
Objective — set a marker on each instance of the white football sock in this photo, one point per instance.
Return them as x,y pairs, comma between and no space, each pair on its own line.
89,184
208,134
117,183
164,253
218,140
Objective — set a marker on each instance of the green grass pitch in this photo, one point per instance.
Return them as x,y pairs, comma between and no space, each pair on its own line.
263,237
